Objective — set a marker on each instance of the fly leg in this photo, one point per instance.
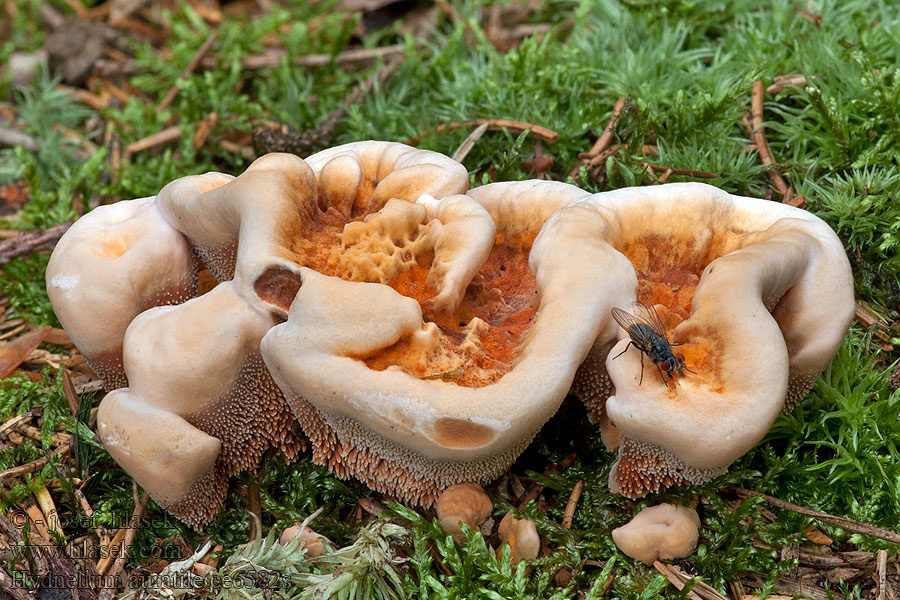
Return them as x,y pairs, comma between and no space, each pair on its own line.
642,351
660,372
630,344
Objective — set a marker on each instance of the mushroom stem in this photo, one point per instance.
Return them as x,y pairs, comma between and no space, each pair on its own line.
166,470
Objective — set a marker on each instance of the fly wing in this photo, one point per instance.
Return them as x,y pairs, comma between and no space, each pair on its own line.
647,314
632,325
624,319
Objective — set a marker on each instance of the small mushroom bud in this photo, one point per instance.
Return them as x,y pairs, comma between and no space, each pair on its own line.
200,569
659,532
312,541
522,536
463,503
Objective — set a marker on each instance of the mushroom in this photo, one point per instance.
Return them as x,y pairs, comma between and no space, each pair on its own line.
200,406
246,224
259,227
522,207
522,537
462,503
411,395
462,244
305,535
660,532
757,294
532,202
428,333
359,178
111,265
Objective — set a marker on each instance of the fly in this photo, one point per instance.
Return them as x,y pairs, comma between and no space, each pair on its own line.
648,335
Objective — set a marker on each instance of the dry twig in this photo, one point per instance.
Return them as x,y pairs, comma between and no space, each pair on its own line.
811,17
842,522
882,592
89,387
169,134
34,433
191,66
35,464
872,322
48,507
235,148
591,157
678,578
204,129
13,138
607,584
676,171
606,137
794,586
141,28
13,328
140,506
572,504
788,80
14,421
272,57
83,501
112,551
758,136
33,241
85,97
38,521
594,161
469,143
548,135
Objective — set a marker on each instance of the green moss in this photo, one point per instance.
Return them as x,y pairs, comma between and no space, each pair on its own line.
686,69
837,451
23,281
